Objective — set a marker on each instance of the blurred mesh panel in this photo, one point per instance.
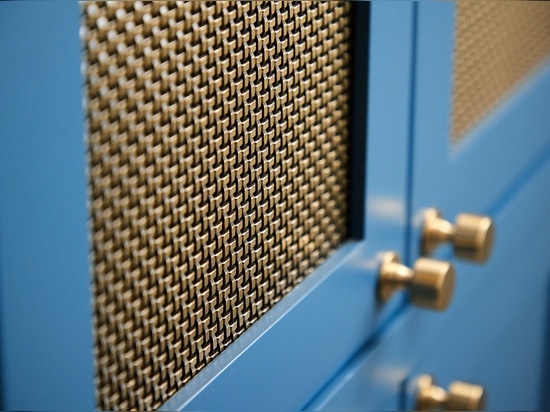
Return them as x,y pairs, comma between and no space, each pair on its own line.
497,45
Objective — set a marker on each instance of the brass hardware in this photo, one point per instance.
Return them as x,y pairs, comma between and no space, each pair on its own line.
430,283
471,235
460,396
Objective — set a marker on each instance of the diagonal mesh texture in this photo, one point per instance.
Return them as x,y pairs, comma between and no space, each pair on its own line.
218,170
497,44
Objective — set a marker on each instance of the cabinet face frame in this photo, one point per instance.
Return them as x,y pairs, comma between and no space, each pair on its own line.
475,174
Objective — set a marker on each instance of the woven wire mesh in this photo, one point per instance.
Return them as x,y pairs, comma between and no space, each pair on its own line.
218,169
497,45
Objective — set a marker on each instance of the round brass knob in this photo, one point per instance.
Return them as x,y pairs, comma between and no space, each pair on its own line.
471,235
460,396
430,283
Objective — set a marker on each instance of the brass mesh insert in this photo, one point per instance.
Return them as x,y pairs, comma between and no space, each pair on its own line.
218,163
497,44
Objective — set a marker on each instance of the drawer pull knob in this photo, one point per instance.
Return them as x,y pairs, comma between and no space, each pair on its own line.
460,396
430,283
471,235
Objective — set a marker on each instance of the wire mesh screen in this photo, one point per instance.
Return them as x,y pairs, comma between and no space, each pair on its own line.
497,44
218,170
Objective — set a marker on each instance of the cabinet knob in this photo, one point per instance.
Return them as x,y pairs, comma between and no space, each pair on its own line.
460,396
471,235
430,283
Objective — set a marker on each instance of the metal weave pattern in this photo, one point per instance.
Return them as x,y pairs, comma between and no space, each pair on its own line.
218,163
497,44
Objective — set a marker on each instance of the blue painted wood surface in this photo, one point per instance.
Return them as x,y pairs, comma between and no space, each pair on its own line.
46,337
308,336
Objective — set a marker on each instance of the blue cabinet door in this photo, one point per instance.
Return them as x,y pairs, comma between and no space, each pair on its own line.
46,319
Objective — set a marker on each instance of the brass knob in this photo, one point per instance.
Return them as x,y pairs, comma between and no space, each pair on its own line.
471,235
430,283
460,396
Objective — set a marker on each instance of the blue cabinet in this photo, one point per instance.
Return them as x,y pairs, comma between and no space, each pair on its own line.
328,344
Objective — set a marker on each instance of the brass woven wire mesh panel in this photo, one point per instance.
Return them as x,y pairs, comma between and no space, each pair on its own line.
218,163
497,44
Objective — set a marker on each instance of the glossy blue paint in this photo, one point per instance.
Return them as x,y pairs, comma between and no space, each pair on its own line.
493,333
473,174
308,336
46,341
